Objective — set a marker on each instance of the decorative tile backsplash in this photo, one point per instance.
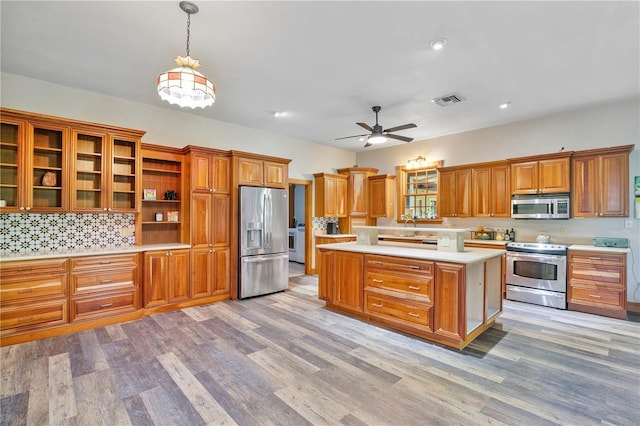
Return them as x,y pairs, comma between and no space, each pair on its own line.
25,232
320,223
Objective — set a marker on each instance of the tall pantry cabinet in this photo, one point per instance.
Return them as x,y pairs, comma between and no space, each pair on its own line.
210,222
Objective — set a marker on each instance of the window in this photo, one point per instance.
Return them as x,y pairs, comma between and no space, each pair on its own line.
418,193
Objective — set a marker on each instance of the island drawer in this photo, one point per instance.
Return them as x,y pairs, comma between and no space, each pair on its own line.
391,263
407,283
398,310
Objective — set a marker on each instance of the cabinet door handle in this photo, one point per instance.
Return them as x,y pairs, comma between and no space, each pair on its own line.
412,314
25,269
376,262
106,305
377,281
377,305
25,290
595,296
412,287
414,267
105,262
105,281
24,319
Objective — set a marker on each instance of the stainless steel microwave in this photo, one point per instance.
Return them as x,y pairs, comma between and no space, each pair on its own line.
545,206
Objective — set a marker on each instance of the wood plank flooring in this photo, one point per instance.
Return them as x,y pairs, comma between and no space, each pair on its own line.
283,359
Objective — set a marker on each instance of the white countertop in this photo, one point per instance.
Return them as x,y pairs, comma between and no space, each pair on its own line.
417,251
336,235
54,254
498,244
594,248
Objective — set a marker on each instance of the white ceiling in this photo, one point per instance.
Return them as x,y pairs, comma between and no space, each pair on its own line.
326,63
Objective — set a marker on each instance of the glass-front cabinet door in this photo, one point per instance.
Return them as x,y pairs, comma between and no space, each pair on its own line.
33,167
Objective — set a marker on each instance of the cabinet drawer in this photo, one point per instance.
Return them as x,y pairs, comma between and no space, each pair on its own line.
600,276
597,297
21,288
107,280
33,315
116,260
598,258
31,267
105,305
413,284
389,263
398,309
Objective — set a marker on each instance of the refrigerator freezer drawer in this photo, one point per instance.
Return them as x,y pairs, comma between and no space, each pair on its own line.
263,274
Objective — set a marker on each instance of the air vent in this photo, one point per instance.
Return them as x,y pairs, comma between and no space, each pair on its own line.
447,100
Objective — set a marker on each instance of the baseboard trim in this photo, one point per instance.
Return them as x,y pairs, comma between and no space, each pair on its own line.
633,307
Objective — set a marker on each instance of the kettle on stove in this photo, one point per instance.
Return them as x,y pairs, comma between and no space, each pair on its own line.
543,238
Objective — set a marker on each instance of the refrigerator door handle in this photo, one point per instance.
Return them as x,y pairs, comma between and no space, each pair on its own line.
268,211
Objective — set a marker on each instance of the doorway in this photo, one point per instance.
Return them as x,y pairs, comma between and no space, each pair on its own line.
300,198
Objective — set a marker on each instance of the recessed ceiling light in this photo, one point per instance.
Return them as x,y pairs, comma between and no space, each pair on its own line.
504,105
438,43
278,114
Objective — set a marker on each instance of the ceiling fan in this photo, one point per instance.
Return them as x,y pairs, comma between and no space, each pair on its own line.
380,135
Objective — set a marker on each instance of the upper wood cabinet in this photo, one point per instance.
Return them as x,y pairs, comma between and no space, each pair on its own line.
381,195
491,193
544,174
210,171
600,182
357,189
31,148
257,171
331,195
454,192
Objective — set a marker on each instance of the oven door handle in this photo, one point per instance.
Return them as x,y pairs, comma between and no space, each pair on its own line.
545,258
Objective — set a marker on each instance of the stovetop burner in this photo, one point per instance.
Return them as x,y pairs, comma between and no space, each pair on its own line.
559,249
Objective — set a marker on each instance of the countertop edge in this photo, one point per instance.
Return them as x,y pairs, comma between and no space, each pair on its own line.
14,257
584,247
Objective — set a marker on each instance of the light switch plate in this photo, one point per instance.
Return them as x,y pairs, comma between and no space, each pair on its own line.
628,223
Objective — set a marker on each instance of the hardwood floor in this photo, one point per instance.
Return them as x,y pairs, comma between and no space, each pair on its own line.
284,359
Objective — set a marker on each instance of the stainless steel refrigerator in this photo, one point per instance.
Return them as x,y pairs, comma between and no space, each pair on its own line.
264,241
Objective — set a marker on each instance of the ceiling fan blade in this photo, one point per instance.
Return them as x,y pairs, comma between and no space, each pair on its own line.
365,126
367,145
400,138
349,137
403,127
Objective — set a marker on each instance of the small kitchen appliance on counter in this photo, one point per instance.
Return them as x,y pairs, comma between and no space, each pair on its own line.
332,228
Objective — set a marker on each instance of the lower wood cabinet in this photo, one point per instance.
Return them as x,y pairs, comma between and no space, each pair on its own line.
166,277
33,295
597,283
328,240
448,303
104,286
209,272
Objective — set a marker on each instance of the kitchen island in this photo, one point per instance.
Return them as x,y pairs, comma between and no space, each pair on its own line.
446,297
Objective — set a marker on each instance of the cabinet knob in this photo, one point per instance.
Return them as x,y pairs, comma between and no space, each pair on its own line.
210,189
28,208
20,208
104,209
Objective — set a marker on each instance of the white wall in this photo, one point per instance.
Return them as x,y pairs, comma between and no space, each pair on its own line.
168,126
597,127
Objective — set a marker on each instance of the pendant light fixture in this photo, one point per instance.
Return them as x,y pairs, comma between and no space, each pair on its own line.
184,85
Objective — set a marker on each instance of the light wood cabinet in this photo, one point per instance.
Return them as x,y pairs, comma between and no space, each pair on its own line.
381,196
328,240
259,172
166,277
162,171
491,193
600,182
209,172
210,272
454,192
33,295
348,282
330,195
30,148
107,167
104,286
597,283
448,314
545,174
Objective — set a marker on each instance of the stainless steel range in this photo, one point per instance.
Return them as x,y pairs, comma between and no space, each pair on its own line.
537,273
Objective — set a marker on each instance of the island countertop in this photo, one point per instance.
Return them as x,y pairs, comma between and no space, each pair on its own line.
423,252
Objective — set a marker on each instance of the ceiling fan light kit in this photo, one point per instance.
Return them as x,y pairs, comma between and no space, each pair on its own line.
379,135
184,86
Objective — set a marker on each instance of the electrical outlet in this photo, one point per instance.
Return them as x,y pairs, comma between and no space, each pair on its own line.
628,223
563,230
